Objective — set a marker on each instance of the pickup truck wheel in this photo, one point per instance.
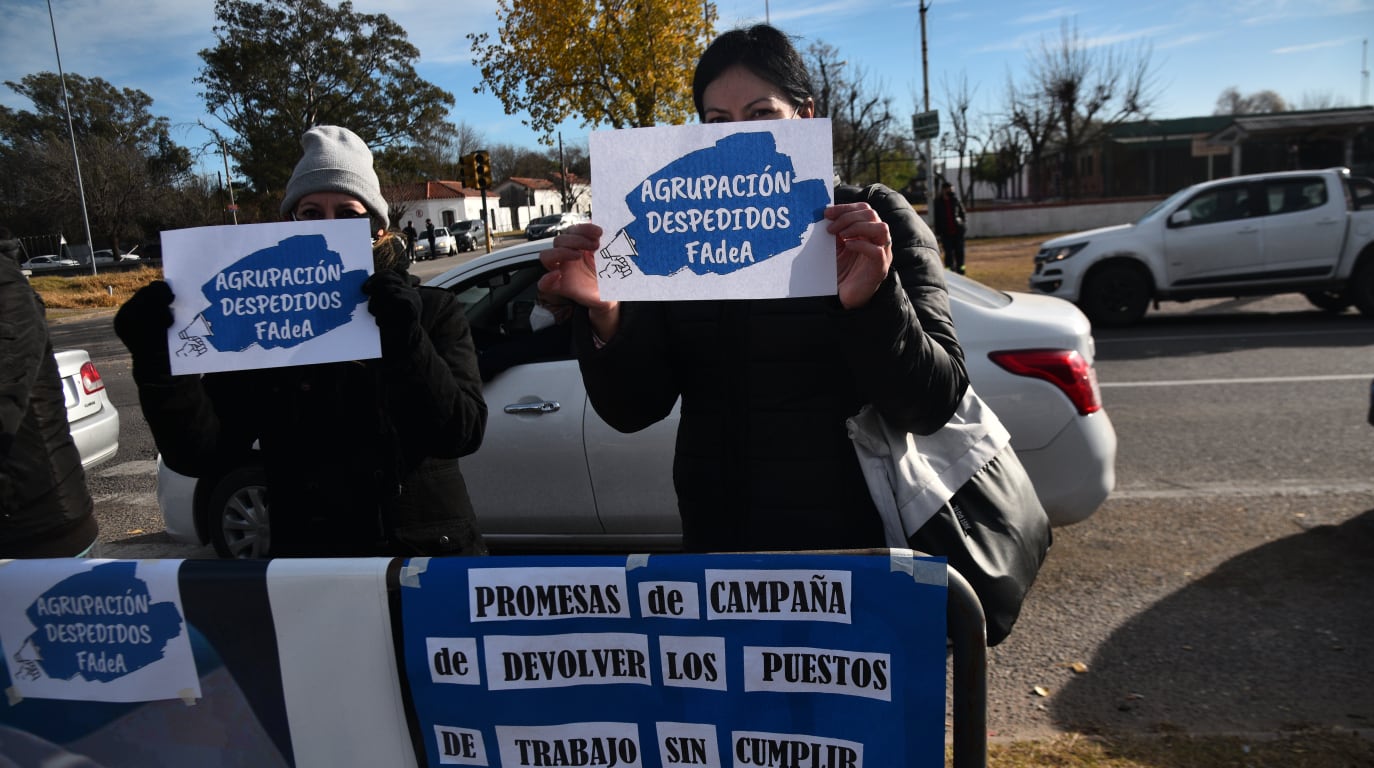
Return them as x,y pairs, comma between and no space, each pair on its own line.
1331,301
1361,291
236,514
1115,294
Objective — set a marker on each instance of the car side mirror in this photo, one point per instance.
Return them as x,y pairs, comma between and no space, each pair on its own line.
1180,218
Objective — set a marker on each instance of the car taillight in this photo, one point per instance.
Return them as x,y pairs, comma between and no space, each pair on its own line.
1064,368
90,379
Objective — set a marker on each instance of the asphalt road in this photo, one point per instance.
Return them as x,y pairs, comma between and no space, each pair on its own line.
1226,586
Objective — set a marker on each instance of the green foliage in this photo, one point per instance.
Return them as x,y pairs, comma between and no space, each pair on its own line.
620,63
130,167
280,67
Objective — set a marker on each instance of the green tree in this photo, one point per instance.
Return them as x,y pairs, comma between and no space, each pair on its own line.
620,63
1231,102
129,163
280,67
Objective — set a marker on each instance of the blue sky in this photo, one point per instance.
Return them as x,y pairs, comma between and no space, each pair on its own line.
1313,49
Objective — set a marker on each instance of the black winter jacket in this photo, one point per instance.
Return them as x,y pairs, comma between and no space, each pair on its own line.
763,459
361,457
45,508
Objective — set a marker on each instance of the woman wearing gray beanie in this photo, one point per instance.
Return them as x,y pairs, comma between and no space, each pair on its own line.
360,458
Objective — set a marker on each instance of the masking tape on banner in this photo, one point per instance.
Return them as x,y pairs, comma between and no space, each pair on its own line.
921,571
636,561
188,696
410,572
13,696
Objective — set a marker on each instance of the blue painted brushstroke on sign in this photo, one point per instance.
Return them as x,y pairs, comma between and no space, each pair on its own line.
278,297
722,208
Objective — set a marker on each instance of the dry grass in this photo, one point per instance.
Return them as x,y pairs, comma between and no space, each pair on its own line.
107,290
1004,263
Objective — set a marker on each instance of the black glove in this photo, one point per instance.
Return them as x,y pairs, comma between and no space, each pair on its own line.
142,323
395,303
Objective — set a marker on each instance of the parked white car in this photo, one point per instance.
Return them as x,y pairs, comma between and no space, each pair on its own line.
91,417
552,474
40,263
444,245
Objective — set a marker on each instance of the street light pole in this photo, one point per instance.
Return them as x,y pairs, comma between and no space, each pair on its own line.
925,89
71,133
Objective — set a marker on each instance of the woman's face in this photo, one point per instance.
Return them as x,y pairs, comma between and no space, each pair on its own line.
739,95
318,206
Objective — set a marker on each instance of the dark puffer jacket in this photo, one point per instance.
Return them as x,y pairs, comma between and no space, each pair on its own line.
763,459
45,508
361,457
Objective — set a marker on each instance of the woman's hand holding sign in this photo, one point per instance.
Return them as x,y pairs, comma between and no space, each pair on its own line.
142,323
571,263
863,251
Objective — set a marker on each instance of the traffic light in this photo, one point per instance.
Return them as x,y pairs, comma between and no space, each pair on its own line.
483,161
467,169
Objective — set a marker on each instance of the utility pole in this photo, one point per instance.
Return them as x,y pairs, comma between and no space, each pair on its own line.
563,172
233,206
925,89
71,132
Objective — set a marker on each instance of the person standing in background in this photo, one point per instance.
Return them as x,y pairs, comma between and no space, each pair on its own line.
950,226
411,236
45,507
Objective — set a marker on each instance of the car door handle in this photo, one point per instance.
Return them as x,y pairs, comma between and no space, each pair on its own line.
545,406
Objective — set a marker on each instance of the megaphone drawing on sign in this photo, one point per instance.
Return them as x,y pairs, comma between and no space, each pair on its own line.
194,334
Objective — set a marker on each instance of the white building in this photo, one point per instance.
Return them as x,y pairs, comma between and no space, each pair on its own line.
525,198
443,202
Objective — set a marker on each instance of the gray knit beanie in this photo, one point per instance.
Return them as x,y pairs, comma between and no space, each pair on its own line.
335,160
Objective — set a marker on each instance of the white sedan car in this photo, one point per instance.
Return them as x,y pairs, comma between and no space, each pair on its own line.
40,263
552,475
91,417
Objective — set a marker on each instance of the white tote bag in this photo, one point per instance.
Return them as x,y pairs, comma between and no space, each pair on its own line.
911,476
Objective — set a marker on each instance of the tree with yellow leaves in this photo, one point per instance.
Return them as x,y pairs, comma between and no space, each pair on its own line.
618,63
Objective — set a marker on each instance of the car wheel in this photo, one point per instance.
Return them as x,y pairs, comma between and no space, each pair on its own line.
1115,294
1361,291
1331,301
236,514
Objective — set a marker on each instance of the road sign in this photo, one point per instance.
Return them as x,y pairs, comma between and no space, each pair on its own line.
926,125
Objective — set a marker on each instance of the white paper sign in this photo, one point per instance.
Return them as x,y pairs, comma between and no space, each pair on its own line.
96,630
269,295
716,211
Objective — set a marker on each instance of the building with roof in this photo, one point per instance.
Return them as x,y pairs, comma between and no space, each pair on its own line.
442,202
525,198
1158,157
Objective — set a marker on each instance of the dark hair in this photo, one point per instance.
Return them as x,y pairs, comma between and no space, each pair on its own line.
764,51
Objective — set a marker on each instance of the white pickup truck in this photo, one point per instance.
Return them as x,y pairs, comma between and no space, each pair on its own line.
1309,232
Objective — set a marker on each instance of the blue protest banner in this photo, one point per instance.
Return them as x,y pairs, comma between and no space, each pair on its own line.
823,661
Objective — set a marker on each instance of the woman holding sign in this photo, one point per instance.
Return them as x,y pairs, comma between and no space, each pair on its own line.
361,458
763,458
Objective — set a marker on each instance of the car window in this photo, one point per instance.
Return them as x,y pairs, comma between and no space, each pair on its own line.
1290,195
1218,204
1359,193
498,304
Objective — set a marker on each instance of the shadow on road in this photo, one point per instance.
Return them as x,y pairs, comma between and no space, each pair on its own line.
1277,638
